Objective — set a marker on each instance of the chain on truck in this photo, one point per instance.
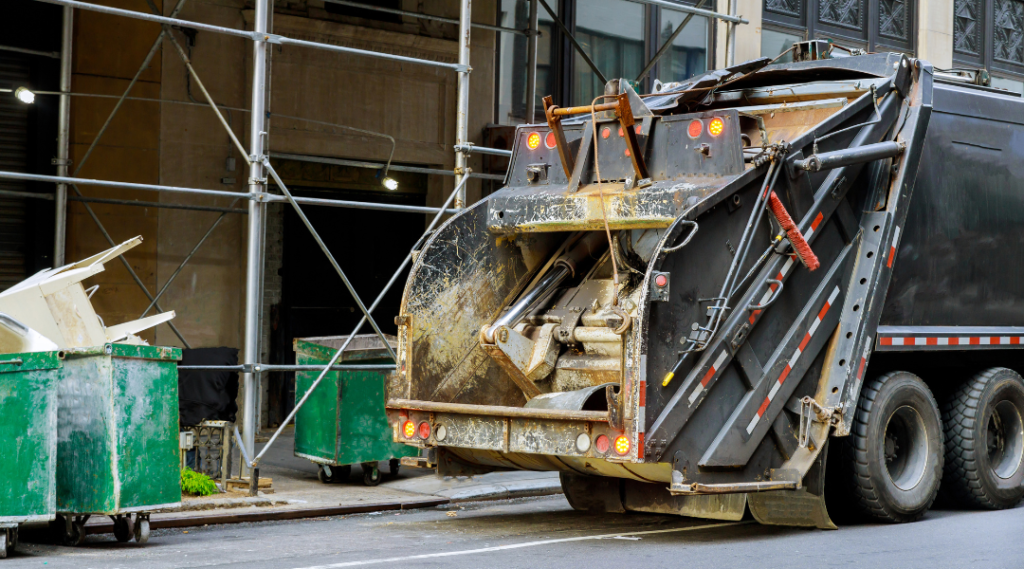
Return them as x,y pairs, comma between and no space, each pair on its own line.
720,295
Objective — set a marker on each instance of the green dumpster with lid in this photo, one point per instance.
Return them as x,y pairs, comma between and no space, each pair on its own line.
117,438
343,421
28,441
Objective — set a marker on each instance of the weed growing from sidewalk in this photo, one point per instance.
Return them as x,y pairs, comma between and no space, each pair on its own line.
197,483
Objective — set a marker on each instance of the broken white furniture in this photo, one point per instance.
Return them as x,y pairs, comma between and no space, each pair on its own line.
54,303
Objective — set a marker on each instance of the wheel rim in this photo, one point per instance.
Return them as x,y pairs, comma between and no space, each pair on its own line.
905,448
1005,439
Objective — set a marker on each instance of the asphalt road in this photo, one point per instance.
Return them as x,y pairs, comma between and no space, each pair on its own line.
545,532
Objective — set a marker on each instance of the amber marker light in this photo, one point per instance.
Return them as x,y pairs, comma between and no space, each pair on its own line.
533,141
716,126
409,429
695,128
622,445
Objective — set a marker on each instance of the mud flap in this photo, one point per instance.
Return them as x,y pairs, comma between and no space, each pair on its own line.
595,494
655,499
801,508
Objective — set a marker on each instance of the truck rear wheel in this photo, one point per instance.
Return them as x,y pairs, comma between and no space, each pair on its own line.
594,494
985,441
894,453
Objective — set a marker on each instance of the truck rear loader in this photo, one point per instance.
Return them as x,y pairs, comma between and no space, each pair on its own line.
712,297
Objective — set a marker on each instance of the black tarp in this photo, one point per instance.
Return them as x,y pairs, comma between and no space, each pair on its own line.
207,395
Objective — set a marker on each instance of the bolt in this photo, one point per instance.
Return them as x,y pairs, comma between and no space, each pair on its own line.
503,335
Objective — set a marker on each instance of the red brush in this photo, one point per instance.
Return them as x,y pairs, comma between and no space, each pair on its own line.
803,249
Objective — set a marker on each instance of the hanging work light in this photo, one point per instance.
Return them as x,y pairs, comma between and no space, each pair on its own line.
25,95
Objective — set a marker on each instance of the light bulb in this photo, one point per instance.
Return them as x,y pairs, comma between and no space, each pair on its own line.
25,96
390,183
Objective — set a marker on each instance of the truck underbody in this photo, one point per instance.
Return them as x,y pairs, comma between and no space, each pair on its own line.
676,298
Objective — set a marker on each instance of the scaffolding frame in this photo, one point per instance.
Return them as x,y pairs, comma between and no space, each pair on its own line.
261,172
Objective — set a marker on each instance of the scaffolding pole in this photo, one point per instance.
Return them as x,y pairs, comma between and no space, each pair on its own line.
254,258
260,197
531,64
60,201
730,38
462,108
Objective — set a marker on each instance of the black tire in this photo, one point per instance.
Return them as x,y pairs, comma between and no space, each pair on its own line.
894,454
371,474
123,529
338,474
593,494
394,465
985,441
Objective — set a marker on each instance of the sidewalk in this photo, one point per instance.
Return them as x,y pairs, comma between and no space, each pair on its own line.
297,493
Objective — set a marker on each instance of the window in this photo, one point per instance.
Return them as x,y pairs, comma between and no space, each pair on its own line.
617,35
877,25
512,57
775,42
1013,85
689,53
612,33
990,34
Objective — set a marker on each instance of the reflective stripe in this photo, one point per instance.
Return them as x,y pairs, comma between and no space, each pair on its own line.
792,361
707,376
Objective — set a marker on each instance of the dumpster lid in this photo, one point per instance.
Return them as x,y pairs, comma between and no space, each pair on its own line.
363,346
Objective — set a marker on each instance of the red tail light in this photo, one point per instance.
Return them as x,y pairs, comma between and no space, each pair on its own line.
549,140
696,127
602,444
424,430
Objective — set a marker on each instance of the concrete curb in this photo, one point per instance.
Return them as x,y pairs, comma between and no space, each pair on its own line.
216,515
523,489
163,521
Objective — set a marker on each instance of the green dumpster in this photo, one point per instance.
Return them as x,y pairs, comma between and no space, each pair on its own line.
117,438
28,441
343,421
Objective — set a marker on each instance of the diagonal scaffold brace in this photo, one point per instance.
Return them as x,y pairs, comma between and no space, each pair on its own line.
366,314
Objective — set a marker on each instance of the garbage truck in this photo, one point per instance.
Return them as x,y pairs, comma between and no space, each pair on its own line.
752,290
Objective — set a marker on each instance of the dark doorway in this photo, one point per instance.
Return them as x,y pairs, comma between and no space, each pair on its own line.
28,138
368,245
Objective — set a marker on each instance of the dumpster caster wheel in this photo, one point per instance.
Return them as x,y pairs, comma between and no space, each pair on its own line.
123,529
142,529
5,544
12,540
394,464
371,474
67,531
337,473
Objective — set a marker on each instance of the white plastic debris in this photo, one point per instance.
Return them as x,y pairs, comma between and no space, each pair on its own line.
54,304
